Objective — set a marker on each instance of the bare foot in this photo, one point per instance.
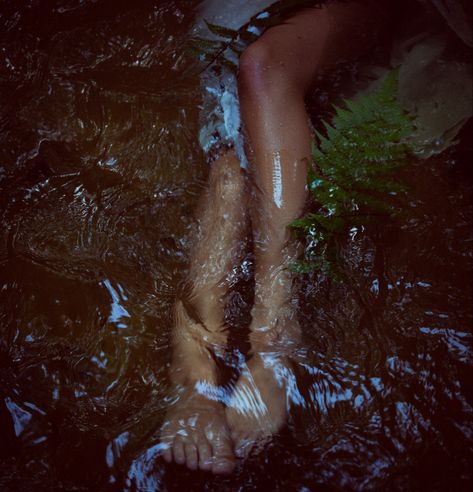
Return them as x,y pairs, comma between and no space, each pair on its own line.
196,434
258,406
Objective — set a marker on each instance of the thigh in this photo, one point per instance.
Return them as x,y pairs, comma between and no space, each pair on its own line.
315,38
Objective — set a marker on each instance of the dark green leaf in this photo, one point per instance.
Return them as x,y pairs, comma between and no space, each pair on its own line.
221,31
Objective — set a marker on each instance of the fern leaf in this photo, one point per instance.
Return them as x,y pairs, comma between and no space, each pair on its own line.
223,32
363,144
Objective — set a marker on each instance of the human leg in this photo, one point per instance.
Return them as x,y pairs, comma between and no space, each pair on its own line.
275,73
195,429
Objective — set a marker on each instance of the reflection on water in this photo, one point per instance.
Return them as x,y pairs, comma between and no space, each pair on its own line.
100,173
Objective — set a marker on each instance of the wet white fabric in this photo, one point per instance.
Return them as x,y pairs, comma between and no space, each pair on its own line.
229,13
220,112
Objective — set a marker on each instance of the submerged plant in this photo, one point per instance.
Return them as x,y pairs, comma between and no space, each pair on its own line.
230,43
350,178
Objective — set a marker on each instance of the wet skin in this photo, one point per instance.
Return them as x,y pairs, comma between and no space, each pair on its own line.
275,73
198,430
195,431
198,436
257,409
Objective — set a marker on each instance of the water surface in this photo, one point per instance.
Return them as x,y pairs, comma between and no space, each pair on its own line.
100,173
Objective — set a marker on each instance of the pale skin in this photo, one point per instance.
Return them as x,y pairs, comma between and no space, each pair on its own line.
203,430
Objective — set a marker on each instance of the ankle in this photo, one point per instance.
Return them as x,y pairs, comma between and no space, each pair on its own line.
191,367
208,306
275,328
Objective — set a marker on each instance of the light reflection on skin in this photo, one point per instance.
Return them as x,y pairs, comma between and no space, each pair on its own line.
249,400
212,392
277,181
285,377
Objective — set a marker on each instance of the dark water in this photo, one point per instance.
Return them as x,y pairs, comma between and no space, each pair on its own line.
100,174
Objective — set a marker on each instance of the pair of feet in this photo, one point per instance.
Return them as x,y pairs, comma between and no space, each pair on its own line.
211,431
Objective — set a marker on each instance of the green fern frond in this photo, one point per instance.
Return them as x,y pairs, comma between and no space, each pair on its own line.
353,164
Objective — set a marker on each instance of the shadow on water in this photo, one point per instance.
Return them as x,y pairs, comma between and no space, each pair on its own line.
100,173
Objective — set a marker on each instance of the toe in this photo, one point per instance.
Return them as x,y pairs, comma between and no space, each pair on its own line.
166,441
243,446
205,455
167,452
223,466
191,456
178,451
223,457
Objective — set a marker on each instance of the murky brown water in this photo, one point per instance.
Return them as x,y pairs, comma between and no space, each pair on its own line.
100,172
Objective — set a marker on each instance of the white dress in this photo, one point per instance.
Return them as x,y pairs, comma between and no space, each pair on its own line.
220,112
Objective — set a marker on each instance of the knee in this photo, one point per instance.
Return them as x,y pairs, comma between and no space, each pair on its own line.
260,71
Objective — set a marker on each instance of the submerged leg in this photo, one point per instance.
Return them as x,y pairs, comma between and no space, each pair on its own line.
275,73
195,428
